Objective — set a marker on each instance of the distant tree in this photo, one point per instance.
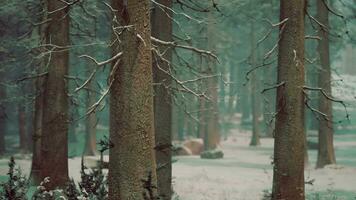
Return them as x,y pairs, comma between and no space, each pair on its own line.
326,154
132,158
54,134
161,19
288,177
21,114
212,136
255,103
91,120
2,111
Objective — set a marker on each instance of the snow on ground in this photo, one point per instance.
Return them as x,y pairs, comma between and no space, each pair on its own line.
245,172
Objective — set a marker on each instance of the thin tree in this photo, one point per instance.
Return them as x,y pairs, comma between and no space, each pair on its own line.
54,134
161,23
132,158
326,154
255,103
288,176
91,120
2,112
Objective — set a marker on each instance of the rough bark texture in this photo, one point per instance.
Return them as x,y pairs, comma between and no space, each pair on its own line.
132,159
162,29
2,113
212,137
35,176
326,154
54,146
91,121
255,139
288,179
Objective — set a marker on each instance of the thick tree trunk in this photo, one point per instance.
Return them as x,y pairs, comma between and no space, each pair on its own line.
2,113
35,176
326,154
132,159
288,177
91,121
162,29
54,144
21,112
255,139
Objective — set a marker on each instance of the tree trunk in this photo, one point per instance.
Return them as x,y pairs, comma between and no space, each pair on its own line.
132,159
255,139
35,176
54,146
326,153
212,137
245,100
2,112
288,177
91,121
162,29
22,127
232,90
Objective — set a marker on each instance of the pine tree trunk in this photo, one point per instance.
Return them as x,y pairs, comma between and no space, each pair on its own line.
91,121
288,177
255,139
35,176
54,144
212,137
162,29
232,90
326,154
245,100
132,159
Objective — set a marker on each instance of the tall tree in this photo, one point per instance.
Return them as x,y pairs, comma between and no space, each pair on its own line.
161,23
35,175
91,120
255,103
288,176
54,137
2,112
326,154
132,159
212,136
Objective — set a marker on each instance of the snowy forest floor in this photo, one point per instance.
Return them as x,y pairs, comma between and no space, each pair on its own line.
245,173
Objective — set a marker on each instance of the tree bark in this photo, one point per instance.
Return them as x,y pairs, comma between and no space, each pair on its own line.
288,177
162,29
132,159
35,176
91,121
326,154
255,104
212,136
54,144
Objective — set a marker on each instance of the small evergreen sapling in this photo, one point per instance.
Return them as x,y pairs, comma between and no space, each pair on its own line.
17,185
